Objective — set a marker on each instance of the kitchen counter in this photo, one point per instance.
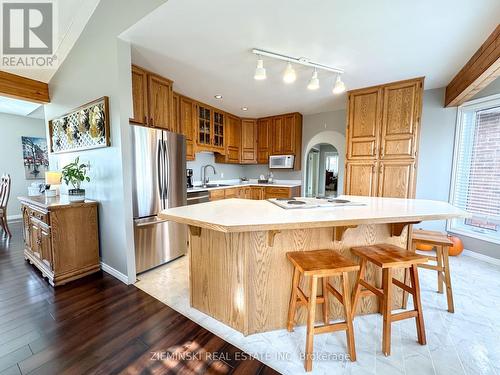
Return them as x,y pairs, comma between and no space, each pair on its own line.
239,273
54,203
225,215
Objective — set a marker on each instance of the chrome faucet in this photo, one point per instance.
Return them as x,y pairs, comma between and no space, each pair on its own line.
204,179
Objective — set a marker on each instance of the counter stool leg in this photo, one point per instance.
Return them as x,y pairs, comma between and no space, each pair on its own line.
351,347
357,287
439,255
447,279
311,314
387,308
292,307
419,319
325,302
407,279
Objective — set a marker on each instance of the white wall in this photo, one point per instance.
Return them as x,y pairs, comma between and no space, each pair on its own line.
98,65
12,128
224,171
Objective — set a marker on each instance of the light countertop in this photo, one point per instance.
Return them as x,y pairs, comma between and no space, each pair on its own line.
245,215
52,203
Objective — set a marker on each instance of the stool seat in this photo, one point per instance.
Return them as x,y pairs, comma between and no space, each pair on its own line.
431,237
321,262
389,256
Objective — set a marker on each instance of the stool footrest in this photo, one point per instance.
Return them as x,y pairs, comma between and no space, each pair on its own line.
403,286
432,267
330,328
404,315
371,288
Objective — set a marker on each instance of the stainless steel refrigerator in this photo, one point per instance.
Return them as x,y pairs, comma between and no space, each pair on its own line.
159,182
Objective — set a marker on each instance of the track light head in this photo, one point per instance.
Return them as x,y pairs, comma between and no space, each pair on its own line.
314,81
339,86
289,75
260,71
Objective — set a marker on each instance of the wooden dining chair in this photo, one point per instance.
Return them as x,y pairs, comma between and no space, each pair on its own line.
5,183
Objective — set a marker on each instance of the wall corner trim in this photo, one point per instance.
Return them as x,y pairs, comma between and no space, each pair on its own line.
484,258
113,272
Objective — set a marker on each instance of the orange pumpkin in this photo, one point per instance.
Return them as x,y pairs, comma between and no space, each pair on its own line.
457,247
424,246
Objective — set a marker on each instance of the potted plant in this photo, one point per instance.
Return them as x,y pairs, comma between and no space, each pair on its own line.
75,173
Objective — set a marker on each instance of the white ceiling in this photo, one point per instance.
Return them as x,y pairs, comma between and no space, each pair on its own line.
72,16
21,107
204,46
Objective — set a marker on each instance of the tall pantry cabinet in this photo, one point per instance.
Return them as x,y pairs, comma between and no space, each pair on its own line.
383,126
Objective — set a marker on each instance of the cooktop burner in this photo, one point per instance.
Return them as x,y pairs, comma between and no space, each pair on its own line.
295,202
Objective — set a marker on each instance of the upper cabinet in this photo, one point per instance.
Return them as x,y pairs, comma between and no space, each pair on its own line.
383,125
286,136
187,122
248,141
263,140
232,138
152,98
210,130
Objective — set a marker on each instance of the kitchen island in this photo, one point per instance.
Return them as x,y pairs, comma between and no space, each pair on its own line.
239,273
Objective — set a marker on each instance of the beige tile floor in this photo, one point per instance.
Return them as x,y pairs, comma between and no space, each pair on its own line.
467,342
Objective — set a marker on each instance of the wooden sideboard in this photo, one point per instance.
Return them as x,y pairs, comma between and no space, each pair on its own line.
61,238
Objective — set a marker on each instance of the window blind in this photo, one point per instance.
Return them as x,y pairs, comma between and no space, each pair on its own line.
477,170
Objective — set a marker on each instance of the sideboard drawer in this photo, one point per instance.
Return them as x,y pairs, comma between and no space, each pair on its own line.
43,216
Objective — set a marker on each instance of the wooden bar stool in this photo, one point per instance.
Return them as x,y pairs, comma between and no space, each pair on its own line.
321,264
442,244
389,257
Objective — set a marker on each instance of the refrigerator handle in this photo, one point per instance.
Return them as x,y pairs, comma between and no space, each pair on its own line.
159,166
167,173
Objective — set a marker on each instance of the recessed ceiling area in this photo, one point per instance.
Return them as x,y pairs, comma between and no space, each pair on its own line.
21,107
205,47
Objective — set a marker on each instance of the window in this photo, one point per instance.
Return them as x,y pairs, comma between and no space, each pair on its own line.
476,169
332,162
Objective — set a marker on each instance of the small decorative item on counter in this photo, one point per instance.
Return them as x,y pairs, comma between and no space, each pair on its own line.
424,247
75,173
243,180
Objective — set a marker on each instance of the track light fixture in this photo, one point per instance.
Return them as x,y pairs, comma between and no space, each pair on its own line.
339,86
314,81
260,71
290,76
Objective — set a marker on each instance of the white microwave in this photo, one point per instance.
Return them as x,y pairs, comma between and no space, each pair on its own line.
281,161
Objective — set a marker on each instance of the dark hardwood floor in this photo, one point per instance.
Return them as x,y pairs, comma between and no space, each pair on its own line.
98,325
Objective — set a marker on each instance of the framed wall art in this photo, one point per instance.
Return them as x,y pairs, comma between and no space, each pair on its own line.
35,157
84,128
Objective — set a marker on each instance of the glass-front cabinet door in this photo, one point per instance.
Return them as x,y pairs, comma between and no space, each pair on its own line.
204,131
218,129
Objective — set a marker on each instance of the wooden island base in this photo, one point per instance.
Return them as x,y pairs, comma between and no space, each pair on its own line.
243,279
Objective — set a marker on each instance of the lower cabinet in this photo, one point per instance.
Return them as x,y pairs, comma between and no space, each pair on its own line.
60,240
254,192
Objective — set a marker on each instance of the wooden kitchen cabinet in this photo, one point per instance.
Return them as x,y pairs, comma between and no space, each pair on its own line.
176,124
382,139
363,126
233,141
286,136
187,116
211,129
257,193
396,179
152,98
361,178
216,195
60,239
139,96
281,192
263,140
248,141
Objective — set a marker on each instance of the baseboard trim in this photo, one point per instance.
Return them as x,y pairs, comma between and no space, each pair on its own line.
14,217
120,276
484,258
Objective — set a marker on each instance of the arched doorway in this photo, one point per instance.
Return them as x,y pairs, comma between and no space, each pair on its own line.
335,139
322,171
